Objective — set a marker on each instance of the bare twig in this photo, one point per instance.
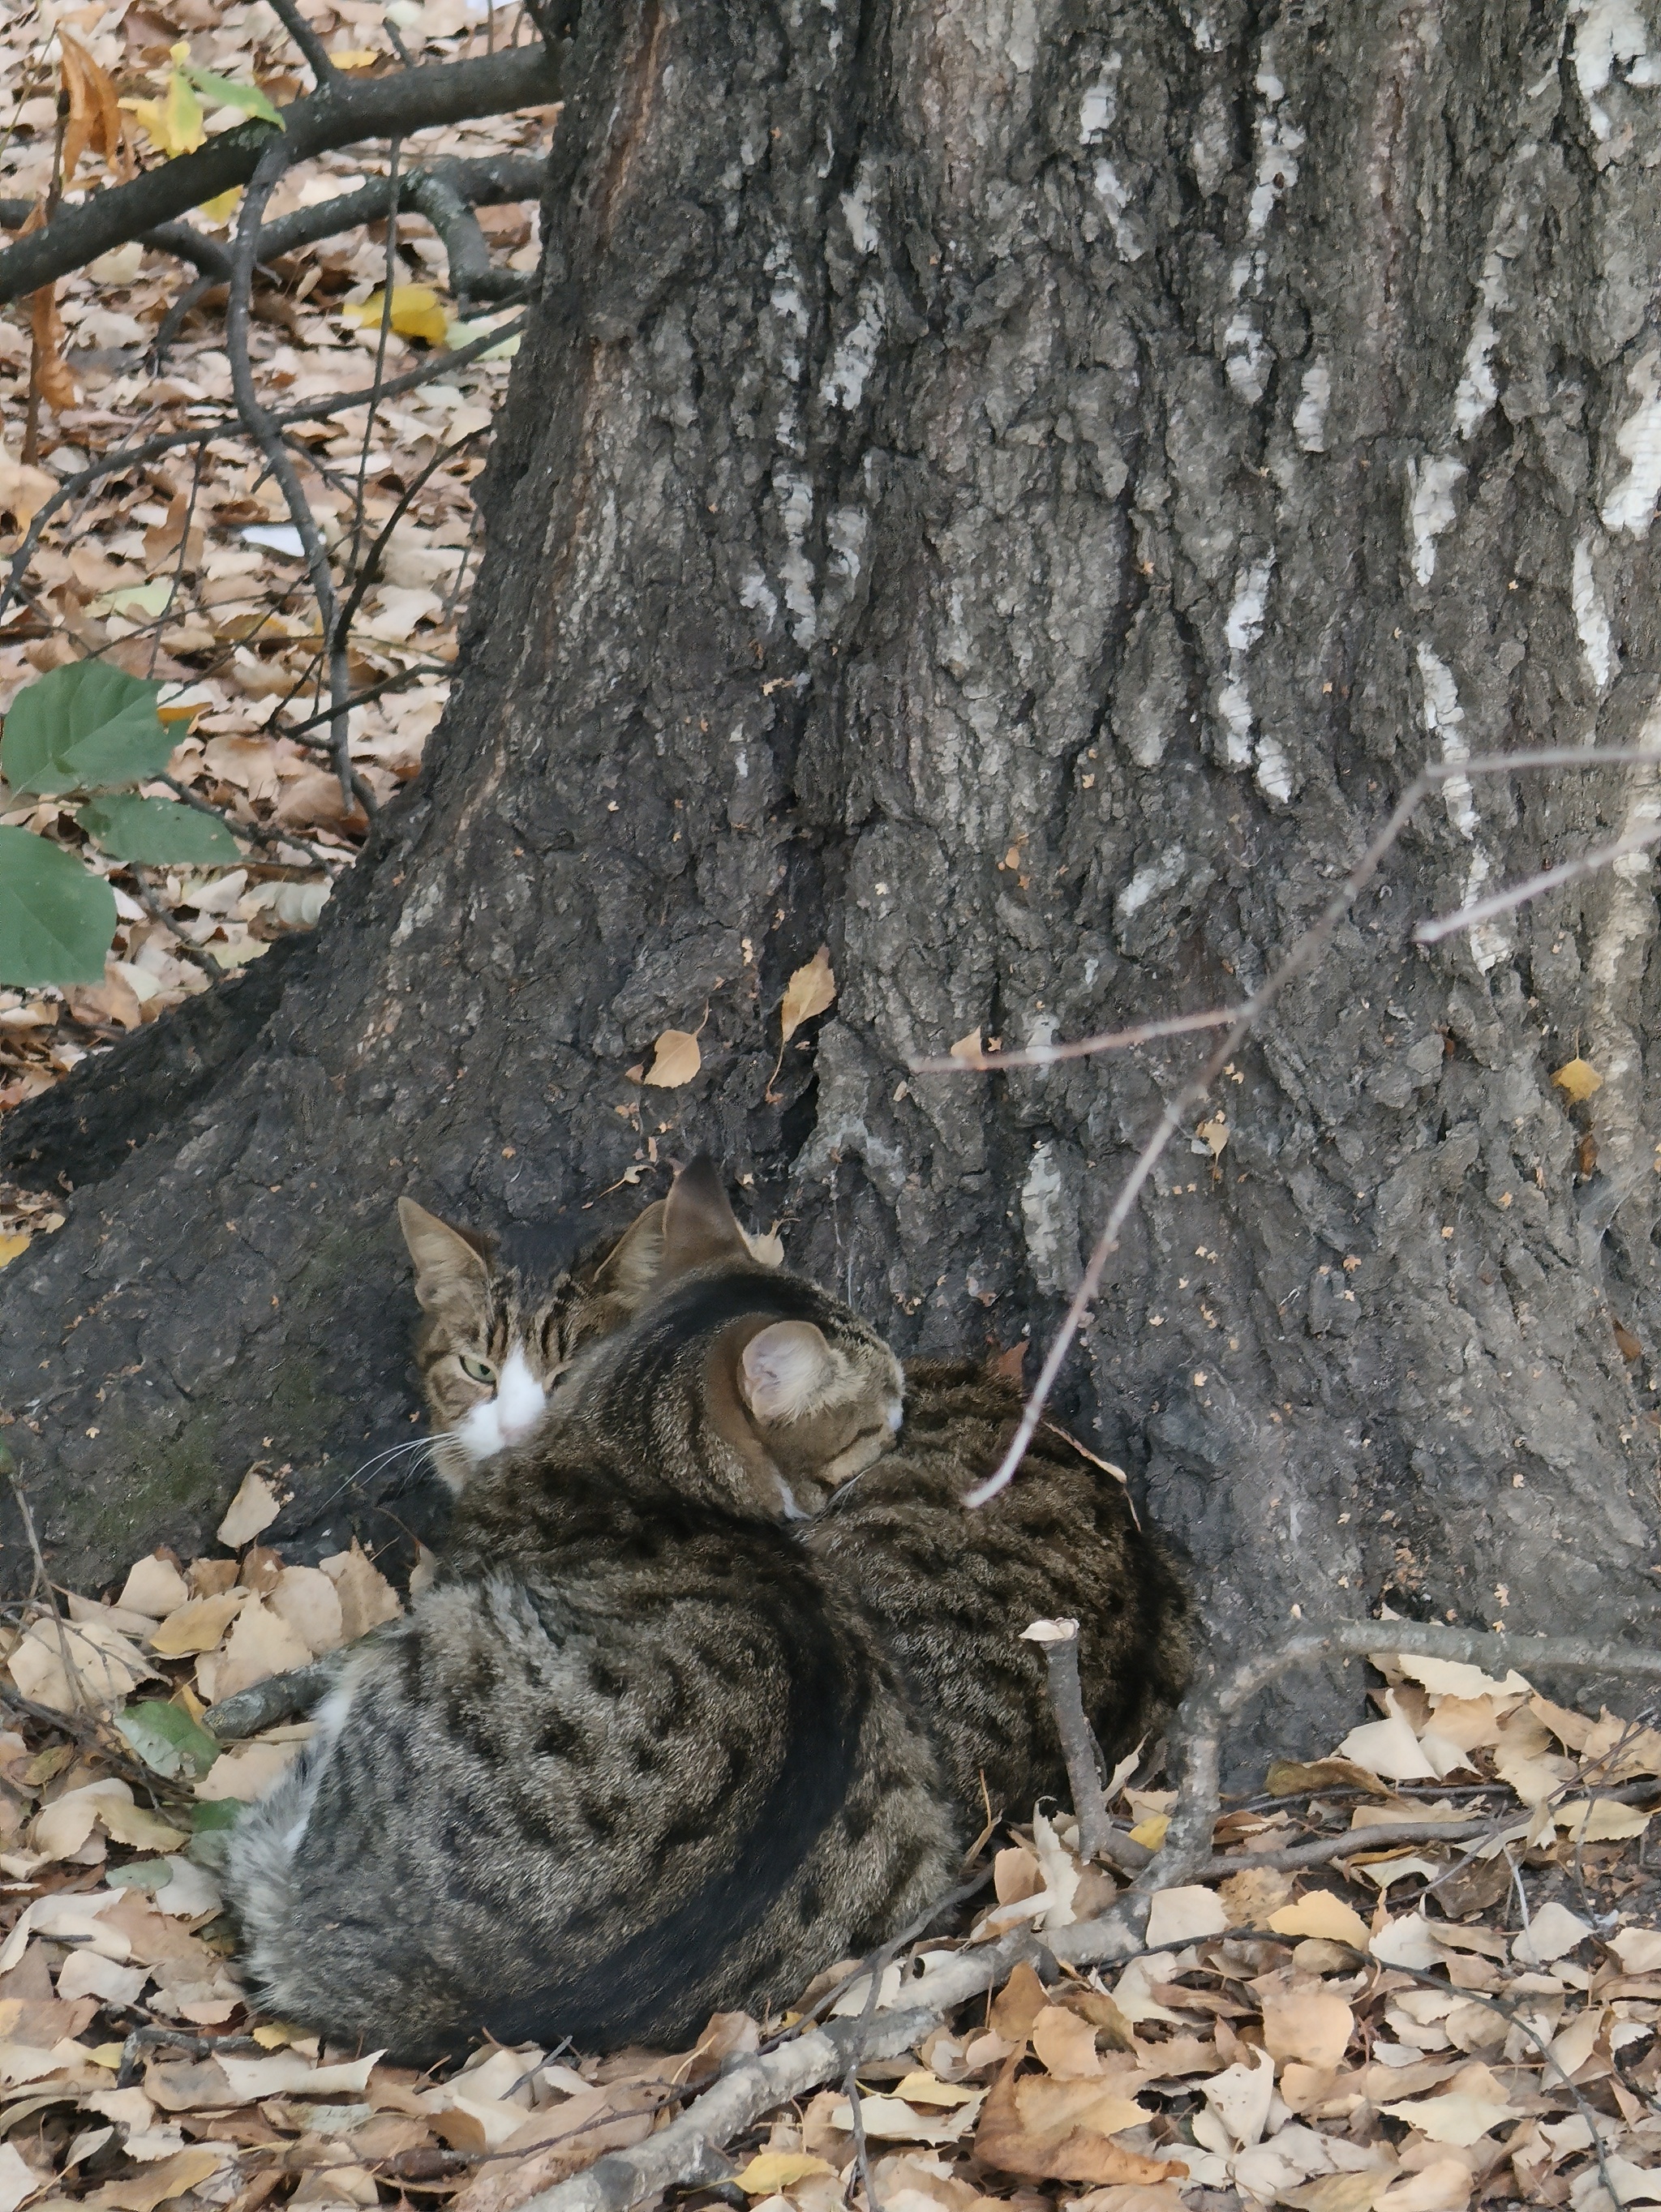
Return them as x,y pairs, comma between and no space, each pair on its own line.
1046,1056
342,114
1059,1641
1305,951
258,422
317,54
277,1698
1588,864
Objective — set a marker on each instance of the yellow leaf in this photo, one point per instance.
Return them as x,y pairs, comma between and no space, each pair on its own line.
770,2171
1321,1914
1150,1832
355,58
1577,1079
222,206
107,2054
416,313
13,1248
675,1059
809,992
174,123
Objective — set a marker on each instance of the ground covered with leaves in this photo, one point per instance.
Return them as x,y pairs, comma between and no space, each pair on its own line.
188,569
1337,2017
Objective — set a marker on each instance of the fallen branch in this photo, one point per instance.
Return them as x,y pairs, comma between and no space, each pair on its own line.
278,1697
341,113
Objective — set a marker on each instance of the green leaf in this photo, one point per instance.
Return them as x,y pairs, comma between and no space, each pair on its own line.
140,1873
210,1813
166,1738
157,833
248,97
87,727
57,919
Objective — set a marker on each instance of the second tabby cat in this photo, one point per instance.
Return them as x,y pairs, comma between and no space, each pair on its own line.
635,1756
952,1589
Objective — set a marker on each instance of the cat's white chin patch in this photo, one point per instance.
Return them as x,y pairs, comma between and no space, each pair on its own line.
508,1418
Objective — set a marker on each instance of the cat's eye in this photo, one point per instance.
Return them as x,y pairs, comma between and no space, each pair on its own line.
479,1370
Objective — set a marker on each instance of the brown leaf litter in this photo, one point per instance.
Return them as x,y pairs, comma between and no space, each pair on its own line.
1406,2027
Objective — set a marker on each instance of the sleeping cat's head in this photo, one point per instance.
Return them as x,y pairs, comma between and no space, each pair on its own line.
494,1339
730,1371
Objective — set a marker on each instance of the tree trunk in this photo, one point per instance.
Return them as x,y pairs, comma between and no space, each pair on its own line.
1010,490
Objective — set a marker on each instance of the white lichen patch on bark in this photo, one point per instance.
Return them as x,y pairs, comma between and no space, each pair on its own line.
1477,389
1610,32
1631,505
1431,511
1046,1228
1153,881
1116,199
1445,720
1241,631
1596,642
1309,422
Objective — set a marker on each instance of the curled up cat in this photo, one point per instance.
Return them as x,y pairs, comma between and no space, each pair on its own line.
635,1756
950,1589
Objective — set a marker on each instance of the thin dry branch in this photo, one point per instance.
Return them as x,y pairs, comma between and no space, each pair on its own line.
1532,887
1059,1641
1046,1056
1305,951
341,113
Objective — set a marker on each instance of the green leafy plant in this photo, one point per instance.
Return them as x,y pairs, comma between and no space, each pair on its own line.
89,733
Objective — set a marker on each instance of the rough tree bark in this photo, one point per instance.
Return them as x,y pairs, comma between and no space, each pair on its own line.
1009,489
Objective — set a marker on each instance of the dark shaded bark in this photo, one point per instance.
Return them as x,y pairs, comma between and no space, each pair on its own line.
1011,491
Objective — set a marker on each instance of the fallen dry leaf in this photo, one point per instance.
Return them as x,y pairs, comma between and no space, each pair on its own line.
675,1059
154,1587
1061,2130
198,1625
254,1508
367,1598
1304,2020
810,991
1179,1915
143,2192
1577,1079
770,2171
1322,1914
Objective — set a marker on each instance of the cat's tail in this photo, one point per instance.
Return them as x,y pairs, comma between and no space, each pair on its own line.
258,1876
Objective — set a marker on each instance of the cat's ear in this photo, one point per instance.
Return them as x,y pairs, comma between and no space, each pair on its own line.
635,1261
447,1259
698,1223
784,1370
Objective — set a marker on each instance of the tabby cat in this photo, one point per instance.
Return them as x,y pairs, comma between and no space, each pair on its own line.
635,1756
950,1589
